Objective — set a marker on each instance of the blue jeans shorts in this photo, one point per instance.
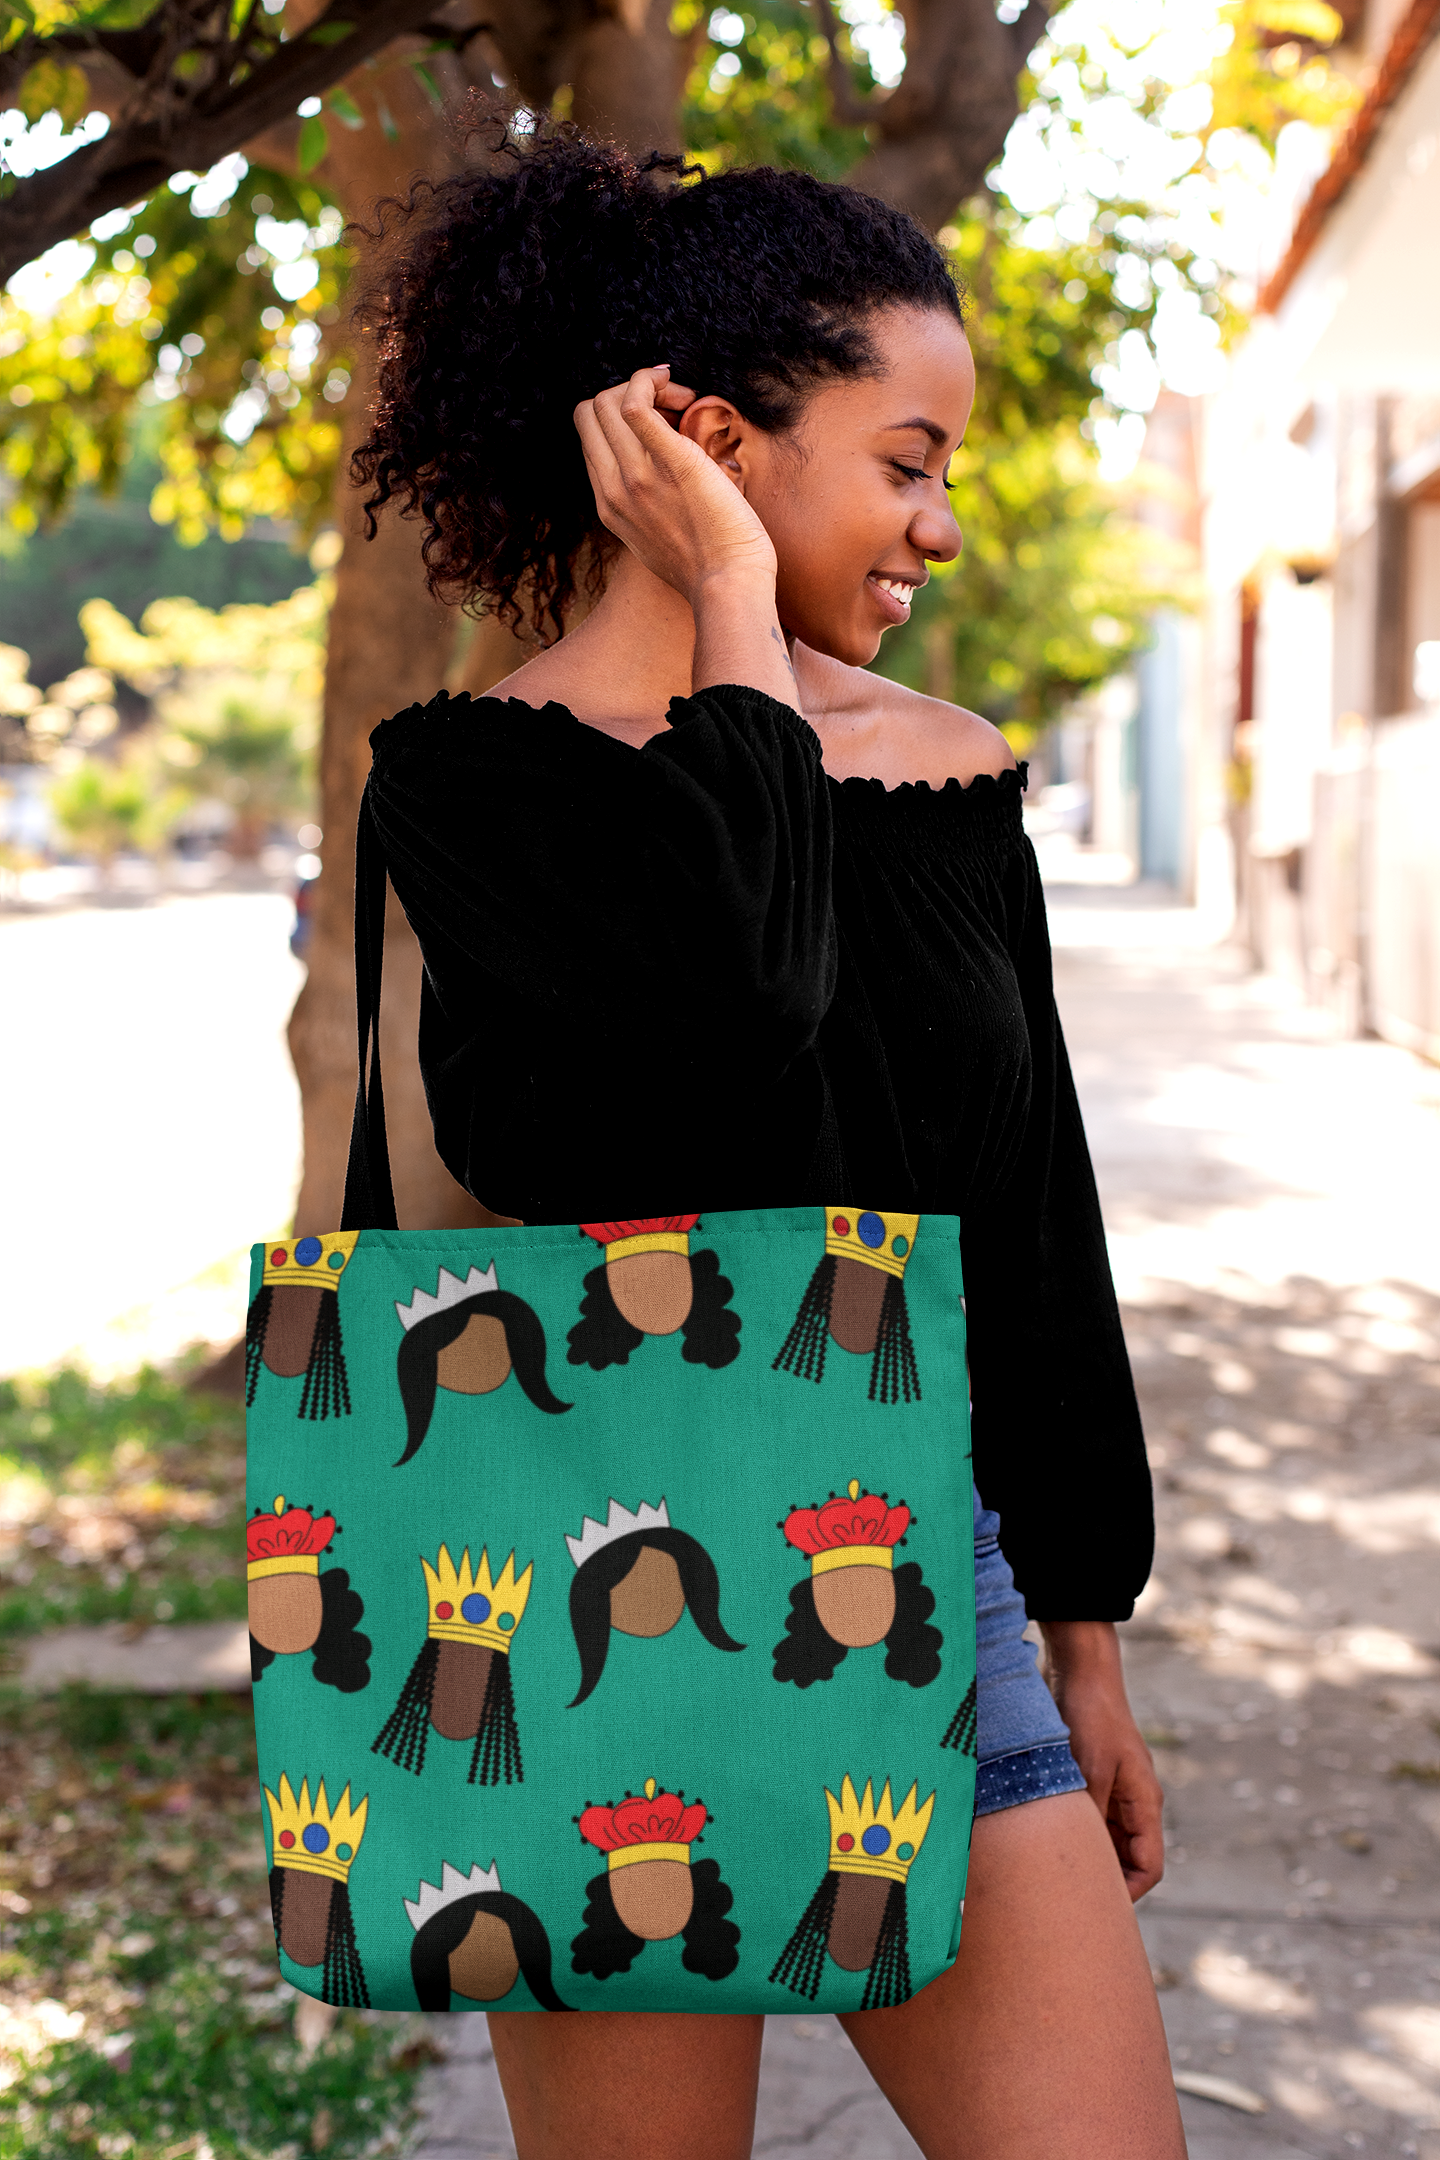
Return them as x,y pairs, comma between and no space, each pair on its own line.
1023,1740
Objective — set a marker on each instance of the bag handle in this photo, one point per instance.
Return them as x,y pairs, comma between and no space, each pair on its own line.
369,1194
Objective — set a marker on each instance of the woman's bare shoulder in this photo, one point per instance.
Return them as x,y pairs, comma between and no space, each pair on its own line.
875,729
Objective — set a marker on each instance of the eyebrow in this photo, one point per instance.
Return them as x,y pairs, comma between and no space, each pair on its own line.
936,433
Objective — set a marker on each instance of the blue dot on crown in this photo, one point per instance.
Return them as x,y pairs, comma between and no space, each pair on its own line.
307,1252
870,1229
475,1608
876,1840
315,1837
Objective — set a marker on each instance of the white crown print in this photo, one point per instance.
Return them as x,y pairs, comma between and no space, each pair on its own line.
617,1524
452,1885
449,1290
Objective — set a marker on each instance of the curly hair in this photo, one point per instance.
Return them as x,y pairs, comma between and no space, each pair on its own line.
501,297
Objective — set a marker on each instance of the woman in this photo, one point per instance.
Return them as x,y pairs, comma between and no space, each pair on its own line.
681,940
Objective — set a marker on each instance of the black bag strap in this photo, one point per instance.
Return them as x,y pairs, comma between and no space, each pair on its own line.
369,1194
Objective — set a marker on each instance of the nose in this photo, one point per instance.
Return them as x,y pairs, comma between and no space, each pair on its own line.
934,532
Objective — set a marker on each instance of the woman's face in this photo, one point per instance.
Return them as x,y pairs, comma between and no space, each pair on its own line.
855,498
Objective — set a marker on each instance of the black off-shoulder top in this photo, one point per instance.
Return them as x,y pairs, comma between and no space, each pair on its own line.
704,974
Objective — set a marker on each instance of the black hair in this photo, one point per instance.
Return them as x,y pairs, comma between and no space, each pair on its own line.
342,1979
912,1648
887,1976
326,1392
496,1753
445,1930
341,1652
553,267
590,1595
603,1336
963,1730
893,1371
605,1945
418,1361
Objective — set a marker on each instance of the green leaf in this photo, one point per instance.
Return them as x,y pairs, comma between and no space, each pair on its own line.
1300,18
387,122
314,142
346,110
330,33
54,86
427,83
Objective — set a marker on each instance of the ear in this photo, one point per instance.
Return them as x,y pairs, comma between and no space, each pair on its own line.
715,426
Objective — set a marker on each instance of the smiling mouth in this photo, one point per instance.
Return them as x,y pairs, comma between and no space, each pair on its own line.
898,591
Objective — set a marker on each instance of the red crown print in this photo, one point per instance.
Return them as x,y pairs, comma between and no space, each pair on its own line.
660,1818
852,1518
287,1533
610,1233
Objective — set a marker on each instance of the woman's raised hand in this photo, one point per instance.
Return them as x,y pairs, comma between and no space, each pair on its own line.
675,509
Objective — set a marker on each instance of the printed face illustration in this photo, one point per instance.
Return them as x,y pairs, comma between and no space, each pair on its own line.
478,1361
295,1606
460,1684
636,1573
652,1284
855,1596
483,1965
857,1917
293,1325
313,1848
651,1890
856,1298
473,1939
467,1339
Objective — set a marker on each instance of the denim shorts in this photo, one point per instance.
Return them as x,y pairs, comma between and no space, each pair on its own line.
1024,1742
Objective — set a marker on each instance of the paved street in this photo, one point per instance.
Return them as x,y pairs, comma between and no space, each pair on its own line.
1272,1198
152,1128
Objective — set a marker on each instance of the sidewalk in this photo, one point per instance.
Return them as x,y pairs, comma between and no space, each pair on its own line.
1272,1197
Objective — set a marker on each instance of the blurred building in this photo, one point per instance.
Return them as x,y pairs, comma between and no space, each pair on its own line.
1313,739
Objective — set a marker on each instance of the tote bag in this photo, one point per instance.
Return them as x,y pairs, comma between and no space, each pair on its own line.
611,1598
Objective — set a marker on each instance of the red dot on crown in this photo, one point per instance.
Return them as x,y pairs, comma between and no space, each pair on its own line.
844,1843
842,1226
444,1610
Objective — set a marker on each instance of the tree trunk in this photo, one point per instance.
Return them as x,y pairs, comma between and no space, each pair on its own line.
936,136
389,646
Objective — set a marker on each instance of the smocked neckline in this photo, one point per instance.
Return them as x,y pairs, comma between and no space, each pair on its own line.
995,788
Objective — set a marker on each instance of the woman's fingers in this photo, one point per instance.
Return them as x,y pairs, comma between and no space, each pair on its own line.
1134,1815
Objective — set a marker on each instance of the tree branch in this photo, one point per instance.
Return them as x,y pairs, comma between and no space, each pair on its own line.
172,125
938,134
848,107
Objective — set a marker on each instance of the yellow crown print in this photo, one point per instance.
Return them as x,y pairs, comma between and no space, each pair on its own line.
478,1608
313,1837
866,1839
875,1240
313,1263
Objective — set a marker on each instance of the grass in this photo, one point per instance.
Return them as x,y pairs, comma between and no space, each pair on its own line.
141,2008
122,1502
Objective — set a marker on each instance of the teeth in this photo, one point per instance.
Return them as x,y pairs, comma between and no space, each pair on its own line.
896,587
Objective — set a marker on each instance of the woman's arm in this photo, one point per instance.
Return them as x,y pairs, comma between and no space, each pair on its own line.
679,514
1089,1687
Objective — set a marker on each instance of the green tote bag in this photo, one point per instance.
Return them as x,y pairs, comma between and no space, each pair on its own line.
611,1596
